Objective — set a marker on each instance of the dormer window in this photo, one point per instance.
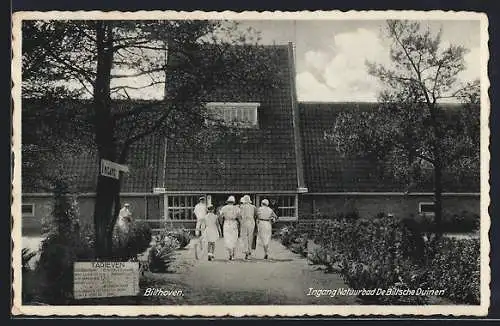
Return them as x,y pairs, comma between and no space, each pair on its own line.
240,114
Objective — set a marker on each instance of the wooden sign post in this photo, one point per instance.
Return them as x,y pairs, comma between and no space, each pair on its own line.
111,169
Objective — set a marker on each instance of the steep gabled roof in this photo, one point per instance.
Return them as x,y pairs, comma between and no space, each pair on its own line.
262,159
145,162
327,171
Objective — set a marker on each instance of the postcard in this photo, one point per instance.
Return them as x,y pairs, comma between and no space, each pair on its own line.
250,164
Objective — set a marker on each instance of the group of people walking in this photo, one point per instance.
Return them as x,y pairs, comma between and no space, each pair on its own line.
244,221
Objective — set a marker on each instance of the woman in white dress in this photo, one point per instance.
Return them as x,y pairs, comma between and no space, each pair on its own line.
212,231
265,218
230,214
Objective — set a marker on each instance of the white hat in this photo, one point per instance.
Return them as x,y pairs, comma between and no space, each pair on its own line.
201,198
265,202
246,199
126,204
231,199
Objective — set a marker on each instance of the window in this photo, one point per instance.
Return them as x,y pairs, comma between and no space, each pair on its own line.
426,208
284,206
181,207
241,114
28,209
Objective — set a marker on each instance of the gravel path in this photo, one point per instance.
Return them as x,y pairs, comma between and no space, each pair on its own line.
283,279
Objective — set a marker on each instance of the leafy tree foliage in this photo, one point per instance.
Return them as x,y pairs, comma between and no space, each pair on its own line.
414,131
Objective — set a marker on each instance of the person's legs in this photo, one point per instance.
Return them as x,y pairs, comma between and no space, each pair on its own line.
245,237
266,236
227,238
211,250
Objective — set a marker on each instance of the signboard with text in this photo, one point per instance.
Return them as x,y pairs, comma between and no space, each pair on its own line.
111,169
105,279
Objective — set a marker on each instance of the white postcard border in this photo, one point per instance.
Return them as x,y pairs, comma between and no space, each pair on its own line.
250,310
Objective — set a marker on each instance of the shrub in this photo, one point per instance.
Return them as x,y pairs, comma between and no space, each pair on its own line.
318,215
319,255
127,245
465,222
287,234
85,251
299,245
183,236
455,268
27,280
162,254
55,268
391,253
58,250
413,245
27,255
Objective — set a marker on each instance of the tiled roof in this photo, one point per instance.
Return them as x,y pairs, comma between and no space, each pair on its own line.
262,159
145,162
327,171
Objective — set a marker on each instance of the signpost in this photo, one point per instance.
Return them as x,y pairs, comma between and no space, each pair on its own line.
105,279
111,169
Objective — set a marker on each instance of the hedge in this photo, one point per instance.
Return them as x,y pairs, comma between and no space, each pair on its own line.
384,252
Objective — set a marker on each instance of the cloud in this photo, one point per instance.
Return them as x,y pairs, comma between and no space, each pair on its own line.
310,89
472,62
472,65
338,73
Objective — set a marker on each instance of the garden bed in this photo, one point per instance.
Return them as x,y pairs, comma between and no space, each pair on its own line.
383,253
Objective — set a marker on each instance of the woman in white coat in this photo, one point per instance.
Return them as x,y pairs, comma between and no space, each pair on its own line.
265,218
230,214
248,215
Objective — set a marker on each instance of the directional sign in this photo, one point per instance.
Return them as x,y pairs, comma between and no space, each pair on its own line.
112,169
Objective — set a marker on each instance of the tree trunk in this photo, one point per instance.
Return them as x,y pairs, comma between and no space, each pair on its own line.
107,188
438,169
438,190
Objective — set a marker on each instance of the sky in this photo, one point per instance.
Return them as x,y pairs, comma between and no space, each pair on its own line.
330,55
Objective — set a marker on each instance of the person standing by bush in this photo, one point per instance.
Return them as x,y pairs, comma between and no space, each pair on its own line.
248,215
124,219
265,217
230,213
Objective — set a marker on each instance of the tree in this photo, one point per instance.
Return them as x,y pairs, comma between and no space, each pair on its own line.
413,130
103,61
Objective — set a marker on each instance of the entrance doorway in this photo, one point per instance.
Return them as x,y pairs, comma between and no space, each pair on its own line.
219,200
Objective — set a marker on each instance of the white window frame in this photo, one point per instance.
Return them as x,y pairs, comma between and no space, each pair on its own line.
420,204
32,209
231,110
295,207
168,208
